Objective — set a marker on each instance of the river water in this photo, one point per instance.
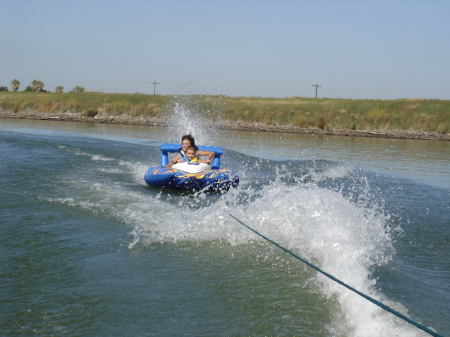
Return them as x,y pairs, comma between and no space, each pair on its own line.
87,248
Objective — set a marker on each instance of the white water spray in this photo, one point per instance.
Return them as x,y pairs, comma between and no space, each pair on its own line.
188,121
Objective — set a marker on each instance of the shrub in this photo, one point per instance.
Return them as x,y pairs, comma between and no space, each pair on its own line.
377,115
322,123
300,120
442,128
91,112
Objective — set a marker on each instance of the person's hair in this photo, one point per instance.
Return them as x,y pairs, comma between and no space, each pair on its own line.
190,147
189,138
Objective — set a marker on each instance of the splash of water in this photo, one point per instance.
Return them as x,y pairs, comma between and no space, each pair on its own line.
188,120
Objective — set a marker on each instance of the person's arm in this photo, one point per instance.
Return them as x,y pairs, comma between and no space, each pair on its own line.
173,161
206,153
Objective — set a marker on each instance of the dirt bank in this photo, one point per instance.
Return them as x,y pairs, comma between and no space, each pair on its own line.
131,120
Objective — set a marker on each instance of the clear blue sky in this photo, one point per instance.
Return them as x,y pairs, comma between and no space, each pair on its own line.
381,49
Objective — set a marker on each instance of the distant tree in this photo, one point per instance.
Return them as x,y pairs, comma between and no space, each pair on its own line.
4,89
59,89
37,85
15,84
78,89
34,85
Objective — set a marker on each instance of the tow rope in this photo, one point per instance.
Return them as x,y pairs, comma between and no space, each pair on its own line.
381,305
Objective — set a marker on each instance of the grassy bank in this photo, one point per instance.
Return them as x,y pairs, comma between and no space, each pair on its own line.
412,115
83,102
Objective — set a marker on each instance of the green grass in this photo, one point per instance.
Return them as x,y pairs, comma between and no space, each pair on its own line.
82,102
350,114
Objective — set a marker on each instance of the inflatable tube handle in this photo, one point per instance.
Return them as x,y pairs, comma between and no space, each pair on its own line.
216,163
165,149
164,158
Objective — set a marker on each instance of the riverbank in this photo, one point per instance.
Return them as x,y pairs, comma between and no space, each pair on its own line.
225,125
401,118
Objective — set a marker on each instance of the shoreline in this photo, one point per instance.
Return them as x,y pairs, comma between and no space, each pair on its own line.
255,127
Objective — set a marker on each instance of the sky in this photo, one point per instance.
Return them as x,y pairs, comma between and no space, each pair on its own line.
375,49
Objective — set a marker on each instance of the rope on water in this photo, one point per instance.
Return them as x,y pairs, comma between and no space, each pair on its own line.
381,305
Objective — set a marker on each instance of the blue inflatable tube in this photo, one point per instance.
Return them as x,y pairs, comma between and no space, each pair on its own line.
191,176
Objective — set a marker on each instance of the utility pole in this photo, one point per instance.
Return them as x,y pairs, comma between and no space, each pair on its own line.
154,86
317,86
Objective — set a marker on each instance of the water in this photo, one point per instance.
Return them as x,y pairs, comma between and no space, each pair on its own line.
88,249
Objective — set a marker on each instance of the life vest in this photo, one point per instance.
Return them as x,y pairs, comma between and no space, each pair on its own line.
186,159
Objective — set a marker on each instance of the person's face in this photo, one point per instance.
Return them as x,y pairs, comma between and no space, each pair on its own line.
190,154
184,144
